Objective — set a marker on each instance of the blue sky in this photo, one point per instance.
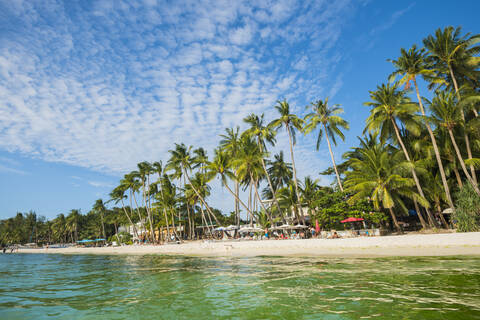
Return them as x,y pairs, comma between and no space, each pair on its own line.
90,88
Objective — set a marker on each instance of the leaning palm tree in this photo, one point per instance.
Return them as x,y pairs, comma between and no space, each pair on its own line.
447,115
331,122
389,104
445,49
181,162
263,134
409,65
118,195
231,143
249,166
374,176
222,165
291,122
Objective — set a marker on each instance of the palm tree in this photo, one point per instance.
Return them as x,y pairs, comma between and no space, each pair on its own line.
99,207
181,161
73,219
280,171
249,166
60,228
389,104
309,189
118,195
328,117
263,134
145,169
231,142
445,49
158,167
291,122
447,115
411,64
374,176
221,165
131,182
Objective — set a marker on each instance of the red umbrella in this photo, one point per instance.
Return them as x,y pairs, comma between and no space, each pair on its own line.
317,227
351,219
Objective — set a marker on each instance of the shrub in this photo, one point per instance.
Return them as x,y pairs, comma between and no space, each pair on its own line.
467,210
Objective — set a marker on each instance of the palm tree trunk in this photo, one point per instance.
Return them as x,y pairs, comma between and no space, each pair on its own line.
462,163
142,226
166,222
395,222
440,213
268,178
414,174
260,200
103,225
294,171
135,233
250,204
435,149
237,203
467,141
237,199
420,216
333,159
457,176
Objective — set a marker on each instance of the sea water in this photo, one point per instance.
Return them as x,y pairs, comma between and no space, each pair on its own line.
54,286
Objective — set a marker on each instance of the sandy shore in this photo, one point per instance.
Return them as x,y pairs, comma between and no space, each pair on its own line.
405,245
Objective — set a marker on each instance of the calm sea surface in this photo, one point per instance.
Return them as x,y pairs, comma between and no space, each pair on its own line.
36,286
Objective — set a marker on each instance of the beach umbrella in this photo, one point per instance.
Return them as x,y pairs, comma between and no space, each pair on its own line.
317,227
300,226
351,219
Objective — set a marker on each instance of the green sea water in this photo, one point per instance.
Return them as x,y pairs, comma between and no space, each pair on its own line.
36,286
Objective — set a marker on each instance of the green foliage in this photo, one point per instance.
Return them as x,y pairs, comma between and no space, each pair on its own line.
332,208
467,212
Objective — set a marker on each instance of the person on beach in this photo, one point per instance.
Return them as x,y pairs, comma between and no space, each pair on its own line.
4,249
335,235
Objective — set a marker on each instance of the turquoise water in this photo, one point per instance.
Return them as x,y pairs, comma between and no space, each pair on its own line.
36,286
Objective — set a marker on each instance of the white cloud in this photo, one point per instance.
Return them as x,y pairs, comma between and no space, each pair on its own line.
116,84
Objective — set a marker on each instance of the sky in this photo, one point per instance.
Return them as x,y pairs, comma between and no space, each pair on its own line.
88,89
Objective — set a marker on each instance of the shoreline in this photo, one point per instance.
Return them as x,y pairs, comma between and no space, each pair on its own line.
451,244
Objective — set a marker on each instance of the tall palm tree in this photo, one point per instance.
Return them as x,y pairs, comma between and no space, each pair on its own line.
249,166
445,49
73,220
231,142
118,195
264,134
99,207
145,169
222,165
309,189
411,64
158,167
328,117
291,122
447,115
280,171
131,182
374,176
389,104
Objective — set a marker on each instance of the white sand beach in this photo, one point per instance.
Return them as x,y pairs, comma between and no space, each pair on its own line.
402,245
